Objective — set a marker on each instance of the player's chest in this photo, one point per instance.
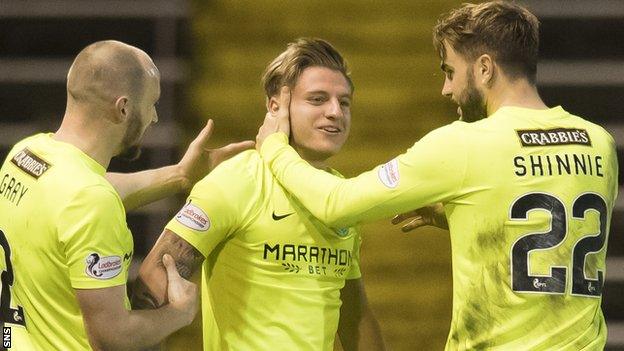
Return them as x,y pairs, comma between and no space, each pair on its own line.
284,236
283,220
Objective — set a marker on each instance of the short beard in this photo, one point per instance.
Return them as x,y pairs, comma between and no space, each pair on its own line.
471,102
131,153
130,143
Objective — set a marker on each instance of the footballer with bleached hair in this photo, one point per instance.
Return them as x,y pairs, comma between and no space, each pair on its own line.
274,277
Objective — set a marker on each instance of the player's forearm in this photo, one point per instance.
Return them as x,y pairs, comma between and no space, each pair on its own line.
150,288
358,328
141,188
368,334
146,297
110,326
335,201
137,330
313,187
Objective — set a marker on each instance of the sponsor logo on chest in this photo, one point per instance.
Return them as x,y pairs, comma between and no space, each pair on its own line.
309,259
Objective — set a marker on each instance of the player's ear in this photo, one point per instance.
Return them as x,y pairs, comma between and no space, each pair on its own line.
485,69
121,110
273,104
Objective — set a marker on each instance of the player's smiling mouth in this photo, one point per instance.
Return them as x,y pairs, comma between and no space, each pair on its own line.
330,129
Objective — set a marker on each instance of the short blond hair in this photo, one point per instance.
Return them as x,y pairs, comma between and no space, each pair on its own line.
508,32
286,68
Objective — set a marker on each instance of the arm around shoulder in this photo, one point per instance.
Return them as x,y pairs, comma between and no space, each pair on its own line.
430,171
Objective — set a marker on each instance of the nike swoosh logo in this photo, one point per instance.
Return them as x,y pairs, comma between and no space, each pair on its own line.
277,218
127,256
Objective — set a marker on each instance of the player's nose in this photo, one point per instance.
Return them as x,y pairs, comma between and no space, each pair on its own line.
334,109
446,88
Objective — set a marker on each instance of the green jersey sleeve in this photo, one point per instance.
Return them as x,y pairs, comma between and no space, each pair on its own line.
93,234
425,174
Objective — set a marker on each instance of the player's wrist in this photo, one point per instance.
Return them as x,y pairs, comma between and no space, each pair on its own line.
272,142
181,313
183,179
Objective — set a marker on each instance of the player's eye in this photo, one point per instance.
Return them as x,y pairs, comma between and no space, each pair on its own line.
345,103
316,99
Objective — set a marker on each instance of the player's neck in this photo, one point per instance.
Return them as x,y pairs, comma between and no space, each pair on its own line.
80,132
519,93
311,158
318,164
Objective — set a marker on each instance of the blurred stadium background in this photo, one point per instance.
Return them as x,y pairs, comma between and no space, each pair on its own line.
212,53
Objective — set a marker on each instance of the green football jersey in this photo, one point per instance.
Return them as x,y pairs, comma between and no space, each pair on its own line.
528,195
273,273
65,228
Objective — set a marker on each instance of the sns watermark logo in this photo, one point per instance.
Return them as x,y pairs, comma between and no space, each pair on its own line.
6,337
193,217
103,267
389,174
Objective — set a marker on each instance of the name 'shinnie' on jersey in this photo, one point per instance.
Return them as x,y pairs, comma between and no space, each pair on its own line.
549,164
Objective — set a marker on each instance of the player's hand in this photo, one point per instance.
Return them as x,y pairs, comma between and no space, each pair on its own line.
181,293
277,121
429,215
199,160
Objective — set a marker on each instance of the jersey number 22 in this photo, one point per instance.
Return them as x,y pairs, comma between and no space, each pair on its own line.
522,280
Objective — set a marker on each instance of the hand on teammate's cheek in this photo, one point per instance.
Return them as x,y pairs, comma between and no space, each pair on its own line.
276,121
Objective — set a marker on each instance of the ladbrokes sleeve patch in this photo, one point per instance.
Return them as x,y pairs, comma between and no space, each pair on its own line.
106,267
193,217
389,174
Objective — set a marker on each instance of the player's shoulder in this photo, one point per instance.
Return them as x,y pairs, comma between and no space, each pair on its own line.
450,134
98,196
244,159
23,149
243,162
25,142
60,168
102,191
596,131
91,201
238,171
76,179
